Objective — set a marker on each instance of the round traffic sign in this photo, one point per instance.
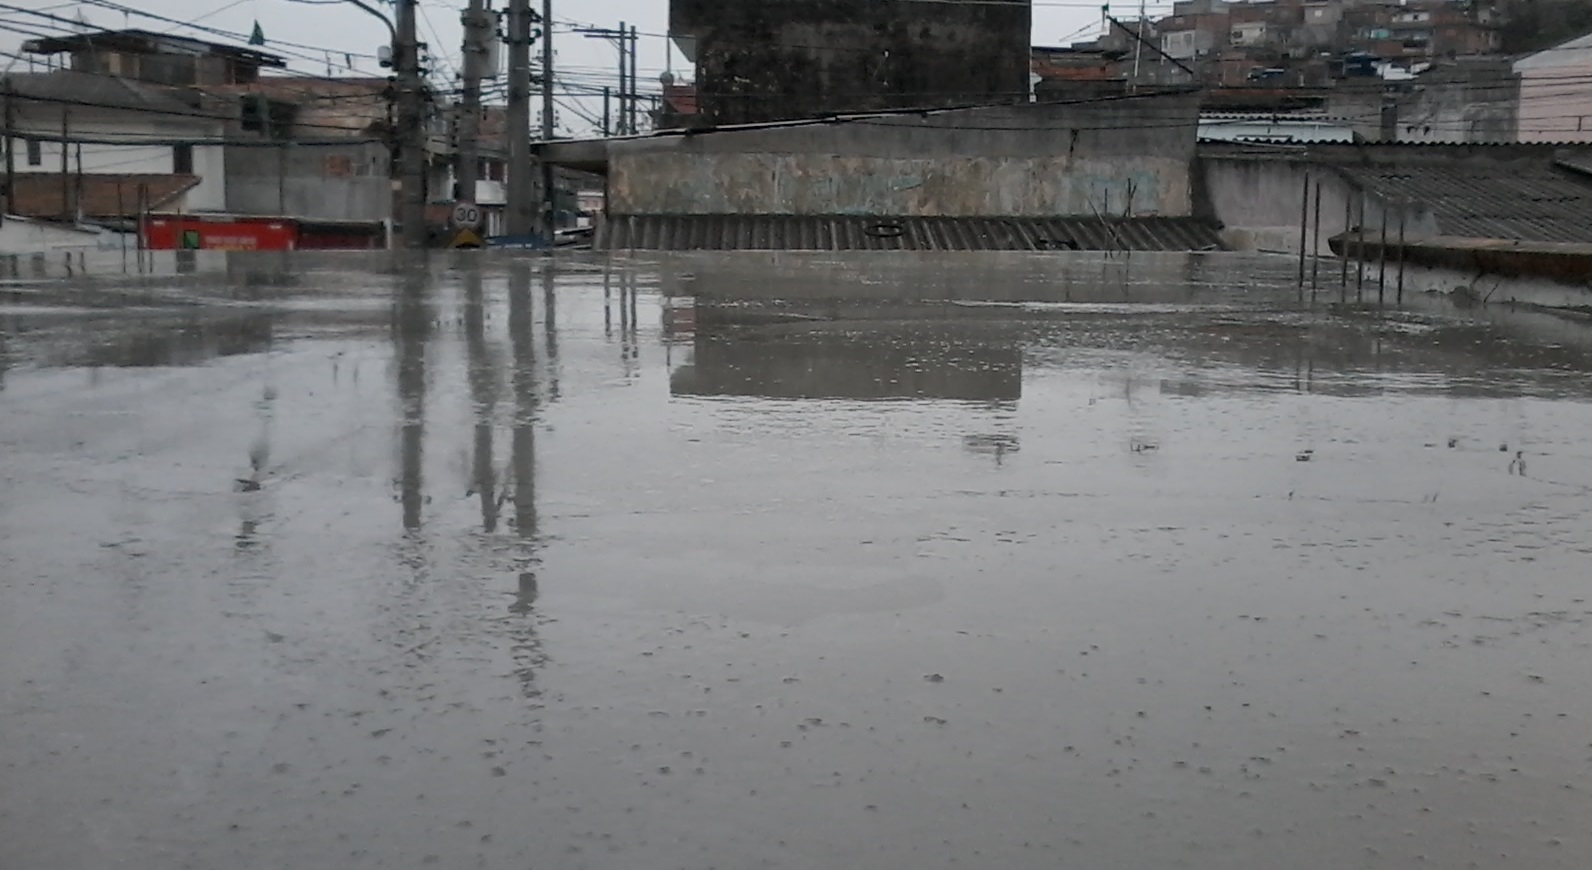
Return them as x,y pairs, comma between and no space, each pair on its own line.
467,214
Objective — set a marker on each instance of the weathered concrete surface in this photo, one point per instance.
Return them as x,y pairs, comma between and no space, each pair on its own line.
803,58
327,182
1127,157
505,596
1258,198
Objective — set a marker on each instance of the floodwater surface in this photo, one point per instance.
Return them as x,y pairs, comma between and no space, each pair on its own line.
929,561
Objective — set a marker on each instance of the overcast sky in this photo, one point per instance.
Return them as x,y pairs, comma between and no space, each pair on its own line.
332,29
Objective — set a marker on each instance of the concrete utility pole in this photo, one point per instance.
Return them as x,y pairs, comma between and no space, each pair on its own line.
521,217
477,21
635,89
549,193
411,127
624,37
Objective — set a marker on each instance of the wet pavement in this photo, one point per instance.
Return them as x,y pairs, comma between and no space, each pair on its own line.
998,561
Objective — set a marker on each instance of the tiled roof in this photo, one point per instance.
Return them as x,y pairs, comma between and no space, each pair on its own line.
873,233
1530,200
100,195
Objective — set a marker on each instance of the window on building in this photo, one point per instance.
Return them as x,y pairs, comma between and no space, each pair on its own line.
35,153
182,159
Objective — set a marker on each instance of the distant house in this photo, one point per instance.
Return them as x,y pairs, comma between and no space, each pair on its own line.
1076,73
157,58
78,137
231,140
1556,93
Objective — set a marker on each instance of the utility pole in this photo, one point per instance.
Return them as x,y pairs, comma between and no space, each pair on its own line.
411,128
8,115
623,34
521,217
477,21
625,38
635,90
549,192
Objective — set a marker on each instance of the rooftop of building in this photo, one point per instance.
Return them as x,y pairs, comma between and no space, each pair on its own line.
149,42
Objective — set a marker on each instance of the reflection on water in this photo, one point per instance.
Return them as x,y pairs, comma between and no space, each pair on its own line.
1144,562
808,364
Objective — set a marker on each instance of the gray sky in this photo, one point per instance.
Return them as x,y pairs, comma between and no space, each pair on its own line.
333,29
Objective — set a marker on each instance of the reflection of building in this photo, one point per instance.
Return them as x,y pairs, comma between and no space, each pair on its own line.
829,365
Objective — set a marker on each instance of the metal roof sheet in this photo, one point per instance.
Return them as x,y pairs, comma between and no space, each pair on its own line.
721,232
1526,200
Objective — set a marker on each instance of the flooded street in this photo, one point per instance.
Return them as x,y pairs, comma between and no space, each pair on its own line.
794,561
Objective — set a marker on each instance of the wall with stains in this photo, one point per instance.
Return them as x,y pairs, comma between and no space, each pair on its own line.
761,61
1123,157
1259,201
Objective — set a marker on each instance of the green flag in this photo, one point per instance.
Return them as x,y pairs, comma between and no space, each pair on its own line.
258,36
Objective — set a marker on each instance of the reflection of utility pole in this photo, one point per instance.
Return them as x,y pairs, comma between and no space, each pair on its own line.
483,393
411,328
524,435
520,219
550,324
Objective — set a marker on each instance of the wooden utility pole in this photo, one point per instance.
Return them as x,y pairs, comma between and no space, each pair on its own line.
521,217
411,127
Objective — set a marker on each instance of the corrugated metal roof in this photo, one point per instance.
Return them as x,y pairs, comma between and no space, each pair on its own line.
871,233
1527,200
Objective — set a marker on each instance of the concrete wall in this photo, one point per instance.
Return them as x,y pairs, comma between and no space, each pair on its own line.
804,58
1470,102
1117,157
24,236
1258,201
335,182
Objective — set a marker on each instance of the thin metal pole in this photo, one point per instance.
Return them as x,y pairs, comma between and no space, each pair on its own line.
1315,247
1403,215
1381,261
1343,260
1359,253
66,180
1304,228
608,94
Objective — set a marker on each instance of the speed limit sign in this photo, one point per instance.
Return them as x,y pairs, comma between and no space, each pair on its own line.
467,214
